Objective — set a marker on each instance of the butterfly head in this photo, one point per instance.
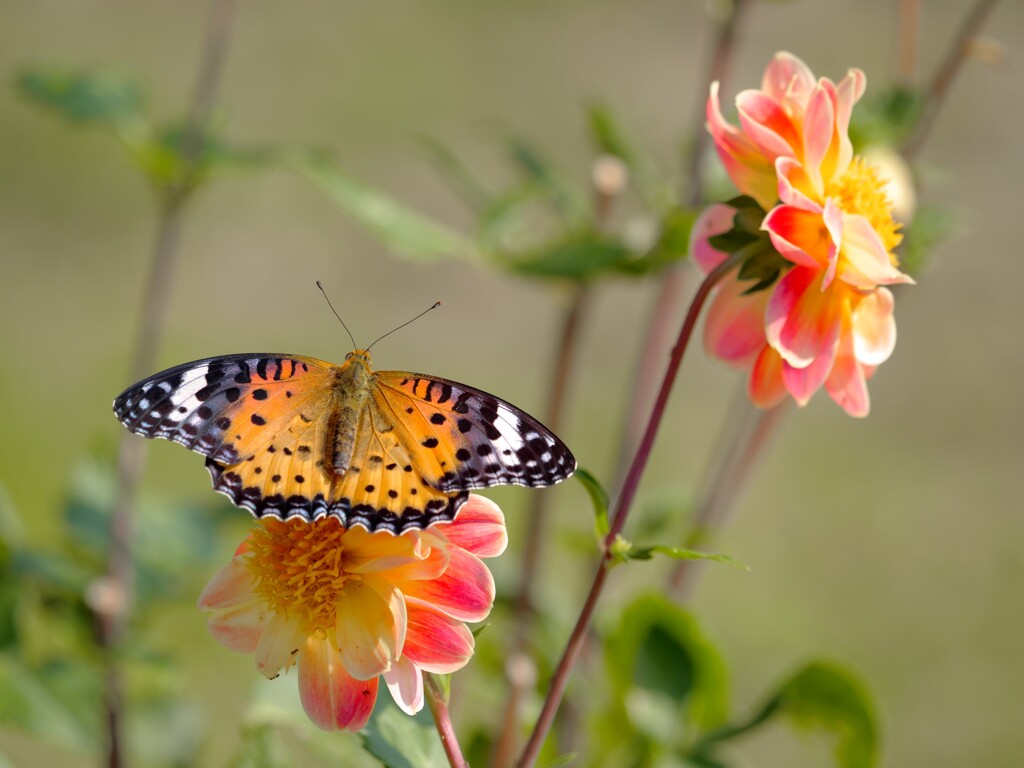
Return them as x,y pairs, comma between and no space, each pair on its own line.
359,364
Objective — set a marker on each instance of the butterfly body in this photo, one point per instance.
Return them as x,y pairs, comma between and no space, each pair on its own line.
291,436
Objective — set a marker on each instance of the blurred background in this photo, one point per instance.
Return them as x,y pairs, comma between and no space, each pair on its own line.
891,544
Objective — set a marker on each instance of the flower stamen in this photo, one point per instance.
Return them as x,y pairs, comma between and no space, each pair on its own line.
861,190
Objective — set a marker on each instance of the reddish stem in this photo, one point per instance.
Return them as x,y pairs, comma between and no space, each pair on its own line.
437,701
618,519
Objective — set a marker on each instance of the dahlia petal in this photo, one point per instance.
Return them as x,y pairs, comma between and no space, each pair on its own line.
819,123
405,682
846,384
766,388
369,627
436,642
479,527
802,321
465,591
766,123
865,263
799,236
874,327
281,640
787,79
230,586
432,560
239,629
366,552
833,218
749,170
333,699
714,220
802,383
848,93
734,327
795,186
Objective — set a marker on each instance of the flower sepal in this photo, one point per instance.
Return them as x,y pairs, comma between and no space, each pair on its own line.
757,257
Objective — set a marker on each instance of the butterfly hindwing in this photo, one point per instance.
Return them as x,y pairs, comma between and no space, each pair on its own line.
463,438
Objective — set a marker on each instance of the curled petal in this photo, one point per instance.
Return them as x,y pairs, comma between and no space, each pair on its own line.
802,383
749,170
367,552
734,328
766,388
819,125
405,682
787,79
865,261
436,642
479,527
240,628
833,218
432,560
370,627
333,699
848,93
802,321
799,236
465,591
716,219
766,123
280,642
874,327
795,186
847,384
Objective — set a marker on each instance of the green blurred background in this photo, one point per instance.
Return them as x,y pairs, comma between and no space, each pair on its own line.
892,544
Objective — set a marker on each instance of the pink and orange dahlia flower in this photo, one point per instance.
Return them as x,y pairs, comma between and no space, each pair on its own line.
828,319
347,607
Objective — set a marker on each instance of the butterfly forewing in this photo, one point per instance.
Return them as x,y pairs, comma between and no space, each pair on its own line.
464,438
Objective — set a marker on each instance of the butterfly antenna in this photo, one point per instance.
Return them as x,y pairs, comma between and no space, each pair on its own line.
354,345
435,305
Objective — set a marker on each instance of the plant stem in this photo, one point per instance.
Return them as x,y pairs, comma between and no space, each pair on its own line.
618,519
437,700
749,435
675,280
114,599
942,80
908,29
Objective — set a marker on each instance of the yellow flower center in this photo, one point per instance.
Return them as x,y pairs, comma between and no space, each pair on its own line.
862,191
298,569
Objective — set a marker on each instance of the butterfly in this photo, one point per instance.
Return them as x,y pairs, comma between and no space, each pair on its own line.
296,437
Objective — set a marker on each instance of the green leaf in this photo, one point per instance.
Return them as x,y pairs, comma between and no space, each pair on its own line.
580,257
473,193
402,741
27,704
598,497
607,136
681,553
931,226
106,98
401,229
826,696
657,652
887,118
538,170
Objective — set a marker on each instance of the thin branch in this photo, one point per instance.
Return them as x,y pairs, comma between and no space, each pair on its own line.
676,279
608,183
907,33
748,439
113,597
938,88
438,703
618,519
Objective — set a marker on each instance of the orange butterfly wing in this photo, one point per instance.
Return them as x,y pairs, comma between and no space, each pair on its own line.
269,426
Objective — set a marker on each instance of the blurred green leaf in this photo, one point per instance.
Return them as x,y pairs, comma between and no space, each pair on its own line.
402,741
165,162
672,244
598,497
107,98
826,696
539,170
931,226
658,649
607,136
458,175
26,703
261,747
681,553
401,229
887,117
580,257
